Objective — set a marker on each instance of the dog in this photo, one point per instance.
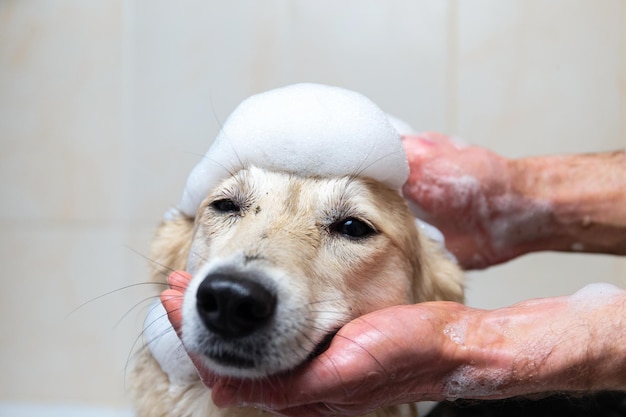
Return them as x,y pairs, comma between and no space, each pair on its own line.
280,261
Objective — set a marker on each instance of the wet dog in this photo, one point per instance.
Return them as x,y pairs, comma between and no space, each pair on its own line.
291,226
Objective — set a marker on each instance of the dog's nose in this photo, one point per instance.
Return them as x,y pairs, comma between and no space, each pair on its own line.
234,306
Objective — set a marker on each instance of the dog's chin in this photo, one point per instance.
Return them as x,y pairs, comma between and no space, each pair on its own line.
230,360
238,365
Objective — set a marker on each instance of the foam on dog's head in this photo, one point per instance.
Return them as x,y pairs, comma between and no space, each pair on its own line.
306,129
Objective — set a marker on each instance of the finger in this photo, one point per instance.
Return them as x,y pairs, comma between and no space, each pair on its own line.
172,300
179,280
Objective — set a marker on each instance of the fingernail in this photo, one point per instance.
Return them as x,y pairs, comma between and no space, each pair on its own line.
177,280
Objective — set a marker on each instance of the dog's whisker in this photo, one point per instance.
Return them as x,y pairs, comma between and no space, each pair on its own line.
131,355
331,316
137,305
223,131
152,261
108,293
332,300
375,161
360,168
142,334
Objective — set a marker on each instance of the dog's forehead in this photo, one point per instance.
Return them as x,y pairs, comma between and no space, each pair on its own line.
270,185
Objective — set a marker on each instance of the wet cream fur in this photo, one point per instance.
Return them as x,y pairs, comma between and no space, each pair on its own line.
284,231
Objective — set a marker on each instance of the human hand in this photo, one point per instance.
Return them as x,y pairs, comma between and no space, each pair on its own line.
469,194
393,356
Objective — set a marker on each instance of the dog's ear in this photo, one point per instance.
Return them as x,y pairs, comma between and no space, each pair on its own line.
170,247
438,276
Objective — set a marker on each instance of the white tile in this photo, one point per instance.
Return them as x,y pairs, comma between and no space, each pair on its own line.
60,152
192,63
539,77
50,270
394,52
542,275
60,410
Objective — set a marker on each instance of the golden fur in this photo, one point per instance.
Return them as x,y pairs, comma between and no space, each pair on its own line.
287,223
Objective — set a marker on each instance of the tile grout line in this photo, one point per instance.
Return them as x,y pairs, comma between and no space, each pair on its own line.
622,81
127,101
452,51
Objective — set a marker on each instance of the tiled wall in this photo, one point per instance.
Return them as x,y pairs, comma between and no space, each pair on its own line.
105,105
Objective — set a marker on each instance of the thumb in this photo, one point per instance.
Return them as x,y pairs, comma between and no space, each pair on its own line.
172,300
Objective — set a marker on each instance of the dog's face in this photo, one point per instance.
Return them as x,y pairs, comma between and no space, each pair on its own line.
281,262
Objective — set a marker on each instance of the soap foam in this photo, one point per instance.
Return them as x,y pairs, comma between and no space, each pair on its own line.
457,331
166,347
594,295
306,129
468,382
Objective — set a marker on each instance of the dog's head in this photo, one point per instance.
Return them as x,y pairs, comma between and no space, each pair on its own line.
282,259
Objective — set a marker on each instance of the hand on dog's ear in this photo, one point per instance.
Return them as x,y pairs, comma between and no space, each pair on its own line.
172,300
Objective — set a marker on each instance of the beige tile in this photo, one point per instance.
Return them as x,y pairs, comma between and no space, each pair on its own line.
619,272
51,270
540,77
191,64
542,275
394,52
60,154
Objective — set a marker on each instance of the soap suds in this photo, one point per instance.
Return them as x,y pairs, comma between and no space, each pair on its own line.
522,220
458,142
594,295
307,129
166,347
457,331
468,382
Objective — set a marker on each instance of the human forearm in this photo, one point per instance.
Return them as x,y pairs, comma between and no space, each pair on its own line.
584,197
565,344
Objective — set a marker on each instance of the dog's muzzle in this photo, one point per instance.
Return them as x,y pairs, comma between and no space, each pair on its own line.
234,305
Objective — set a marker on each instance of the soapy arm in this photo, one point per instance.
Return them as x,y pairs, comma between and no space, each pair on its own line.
492,209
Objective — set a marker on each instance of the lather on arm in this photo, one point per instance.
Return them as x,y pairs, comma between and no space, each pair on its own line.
492,209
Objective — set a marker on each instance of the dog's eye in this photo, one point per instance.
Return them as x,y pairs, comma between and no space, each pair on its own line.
225,205
353,228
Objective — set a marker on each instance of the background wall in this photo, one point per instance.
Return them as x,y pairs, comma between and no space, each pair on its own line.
106,105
